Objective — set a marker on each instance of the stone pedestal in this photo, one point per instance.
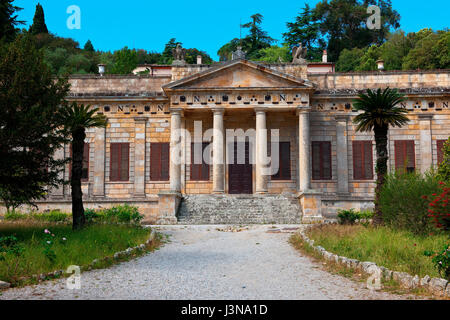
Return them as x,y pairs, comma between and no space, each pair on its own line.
311,205
168,205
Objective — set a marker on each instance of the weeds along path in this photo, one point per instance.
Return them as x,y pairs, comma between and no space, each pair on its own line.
201,262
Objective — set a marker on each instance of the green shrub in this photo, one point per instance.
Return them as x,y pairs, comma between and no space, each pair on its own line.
91,215
403,200
52,216
444,167
351,216
125,213
441,260
347,216
15,215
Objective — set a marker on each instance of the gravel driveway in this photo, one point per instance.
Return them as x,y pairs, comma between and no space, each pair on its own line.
201,262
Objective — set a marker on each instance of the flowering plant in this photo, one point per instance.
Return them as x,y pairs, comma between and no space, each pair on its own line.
439,210
441,260
48,246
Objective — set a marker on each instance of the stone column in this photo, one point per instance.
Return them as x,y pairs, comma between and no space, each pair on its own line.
99,162
261,151
218,151
139,157
175,150
426,151
342,154
304,149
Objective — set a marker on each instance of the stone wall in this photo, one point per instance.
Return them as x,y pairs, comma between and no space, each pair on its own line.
397,79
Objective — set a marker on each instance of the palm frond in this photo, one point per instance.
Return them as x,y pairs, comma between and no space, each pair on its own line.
379,108
77,117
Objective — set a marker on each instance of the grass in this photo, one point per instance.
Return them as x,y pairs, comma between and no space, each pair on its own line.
80,248
396,250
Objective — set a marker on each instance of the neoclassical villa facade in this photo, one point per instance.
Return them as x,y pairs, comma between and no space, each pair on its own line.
145,155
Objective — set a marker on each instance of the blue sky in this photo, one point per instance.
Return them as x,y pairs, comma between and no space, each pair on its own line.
201,24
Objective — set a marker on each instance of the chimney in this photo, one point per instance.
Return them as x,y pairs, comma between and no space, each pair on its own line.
101,69
380,65
199,59
325,56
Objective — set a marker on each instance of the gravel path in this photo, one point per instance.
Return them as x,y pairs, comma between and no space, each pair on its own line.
201,262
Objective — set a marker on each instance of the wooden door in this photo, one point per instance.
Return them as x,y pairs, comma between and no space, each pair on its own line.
240,176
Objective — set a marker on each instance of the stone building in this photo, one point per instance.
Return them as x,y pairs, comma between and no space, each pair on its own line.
324,165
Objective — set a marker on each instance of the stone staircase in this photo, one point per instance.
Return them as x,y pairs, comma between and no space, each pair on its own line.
239,209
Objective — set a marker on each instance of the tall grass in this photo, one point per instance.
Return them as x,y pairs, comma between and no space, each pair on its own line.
394,249
79,248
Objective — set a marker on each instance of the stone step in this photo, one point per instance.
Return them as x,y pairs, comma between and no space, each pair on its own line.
239,209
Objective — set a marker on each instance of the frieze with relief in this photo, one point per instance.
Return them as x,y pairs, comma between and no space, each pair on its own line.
135,108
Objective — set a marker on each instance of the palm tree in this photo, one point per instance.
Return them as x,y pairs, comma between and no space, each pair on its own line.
379,111
77,118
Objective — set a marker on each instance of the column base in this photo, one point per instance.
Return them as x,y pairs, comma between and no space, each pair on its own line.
168,204
311,204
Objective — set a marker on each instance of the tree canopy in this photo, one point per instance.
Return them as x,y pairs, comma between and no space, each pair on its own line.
8,20
38,25
30,128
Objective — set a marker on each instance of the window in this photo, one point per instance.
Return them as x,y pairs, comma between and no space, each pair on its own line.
119,165
321,160
440,150
284,173
199,172
159,161
362,160
85,170
405,158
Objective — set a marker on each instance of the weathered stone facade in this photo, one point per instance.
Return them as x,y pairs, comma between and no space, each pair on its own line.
304,107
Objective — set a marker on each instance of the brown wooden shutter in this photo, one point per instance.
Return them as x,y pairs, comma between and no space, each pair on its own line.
362,160
326,160
114,162
368,160
284,172
124,161
165,161
316,161
155,161
440,150
405,155
321,160
159,161
358,160
199,172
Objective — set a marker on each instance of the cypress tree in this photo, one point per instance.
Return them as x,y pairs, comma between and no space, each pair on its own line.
38,25
88,46
8,20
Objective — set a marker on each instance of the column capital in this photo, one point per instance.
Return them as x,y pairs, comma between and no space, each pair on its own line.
177,111
303,109
342,118
140,119
218,110
261,110
425,116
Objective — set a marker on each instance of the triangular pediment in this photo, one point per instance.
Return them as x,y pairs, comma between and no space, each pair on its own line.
238,74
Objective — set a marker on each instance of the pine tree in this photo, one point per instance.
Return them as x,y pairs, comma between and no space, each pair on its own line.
30,125
8,20
38,25
89,47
